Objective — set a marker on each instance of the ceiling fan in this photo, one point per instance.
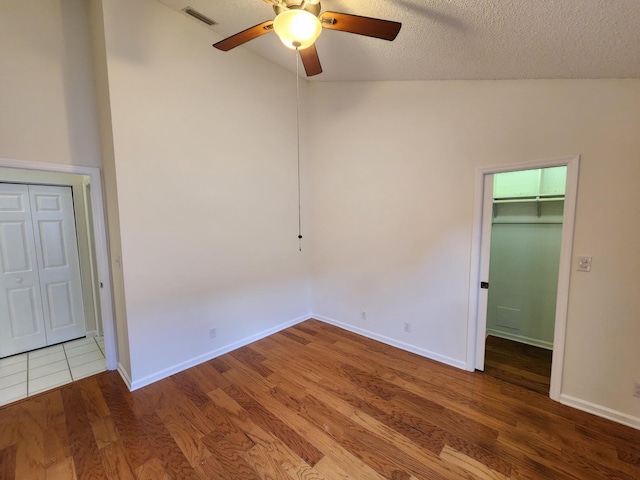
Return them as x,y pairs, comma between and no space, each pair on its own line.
298,24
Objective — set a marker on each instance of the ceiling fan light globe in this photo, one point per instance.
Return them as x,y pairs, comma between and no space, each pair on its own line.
297,28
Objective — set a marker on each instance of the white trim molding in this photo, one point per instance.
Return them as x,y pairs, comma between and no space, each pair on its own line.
534,342
125,376
393,342
167,372
600,411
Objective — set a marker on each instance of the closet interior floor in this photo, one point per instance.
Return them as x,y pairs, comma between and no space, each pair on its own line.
33,372
519,364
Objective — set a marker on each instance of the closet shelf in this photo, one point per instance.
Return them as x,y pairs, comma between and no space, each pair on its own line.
537,198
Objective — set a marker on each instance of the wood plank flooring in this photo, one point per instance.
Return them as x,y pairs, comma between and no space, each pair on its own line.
311,402
519,364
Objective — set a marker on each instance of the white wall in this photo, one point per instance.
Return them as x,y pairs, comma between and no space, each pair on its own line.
523,279
204,147
47,102
393,204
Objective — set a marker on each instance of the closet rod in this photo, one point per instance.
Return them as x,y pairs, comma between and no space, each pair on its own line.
527,223
541,198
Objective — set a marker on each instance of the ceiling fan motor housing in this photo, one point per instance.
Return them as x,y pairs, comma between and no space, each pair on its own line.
285,5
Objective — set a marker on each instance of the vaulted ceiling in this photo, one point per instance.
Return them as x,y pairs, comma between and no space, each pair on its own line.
455,39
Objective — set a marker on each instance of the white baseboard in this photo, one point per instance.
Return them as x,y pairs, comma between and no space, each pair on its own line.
92,333
125,375
604,412
600,411
520,338
395,343
149,379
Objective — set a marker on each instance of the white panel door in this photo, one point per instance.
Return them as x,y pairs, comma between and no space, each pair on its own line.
59,267
21,314
485,253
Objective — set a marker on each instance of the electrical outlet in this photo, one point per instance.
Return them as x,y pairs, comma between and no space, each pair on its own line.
636,389
407,327
363,315
212,333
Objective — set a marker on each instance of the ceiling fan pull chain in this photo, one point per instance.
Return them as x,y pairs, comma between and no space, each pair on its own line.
297,53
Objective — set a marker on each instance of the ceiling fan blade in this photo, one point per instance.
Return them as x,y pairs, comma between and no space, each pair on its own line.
244,36
311,61
371,27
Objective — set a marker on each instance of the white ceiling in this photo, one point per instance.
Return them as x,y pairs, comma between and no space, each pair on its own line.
456,39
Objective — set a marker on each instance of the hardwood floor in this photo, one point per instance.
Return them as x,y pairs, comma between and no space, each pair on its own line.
311,402
519,364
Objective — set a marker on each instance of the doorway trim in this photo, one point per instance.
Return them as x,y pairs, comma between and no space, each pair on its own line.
100,238
479,255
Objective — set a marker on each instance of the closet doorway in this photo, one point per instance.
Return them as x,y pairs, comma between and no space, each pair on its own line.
511,315
526,235
40,286
85,184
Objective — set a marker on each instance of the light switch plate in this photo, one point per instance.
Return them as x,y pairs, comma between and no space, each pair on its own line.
584,264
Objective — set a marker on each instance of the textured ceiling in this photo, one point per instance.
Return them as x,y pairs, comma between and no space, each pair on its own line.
456,39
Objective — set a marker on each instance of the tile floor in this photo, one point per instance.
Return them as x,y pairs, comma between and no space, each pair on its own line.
33,372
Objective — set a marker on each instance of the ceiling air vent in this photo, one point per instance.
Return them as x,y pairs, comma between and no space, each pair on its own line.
198,16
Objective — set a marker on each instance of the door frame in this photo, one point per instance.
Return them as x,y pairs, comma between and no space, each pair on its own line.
100,238
476,334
